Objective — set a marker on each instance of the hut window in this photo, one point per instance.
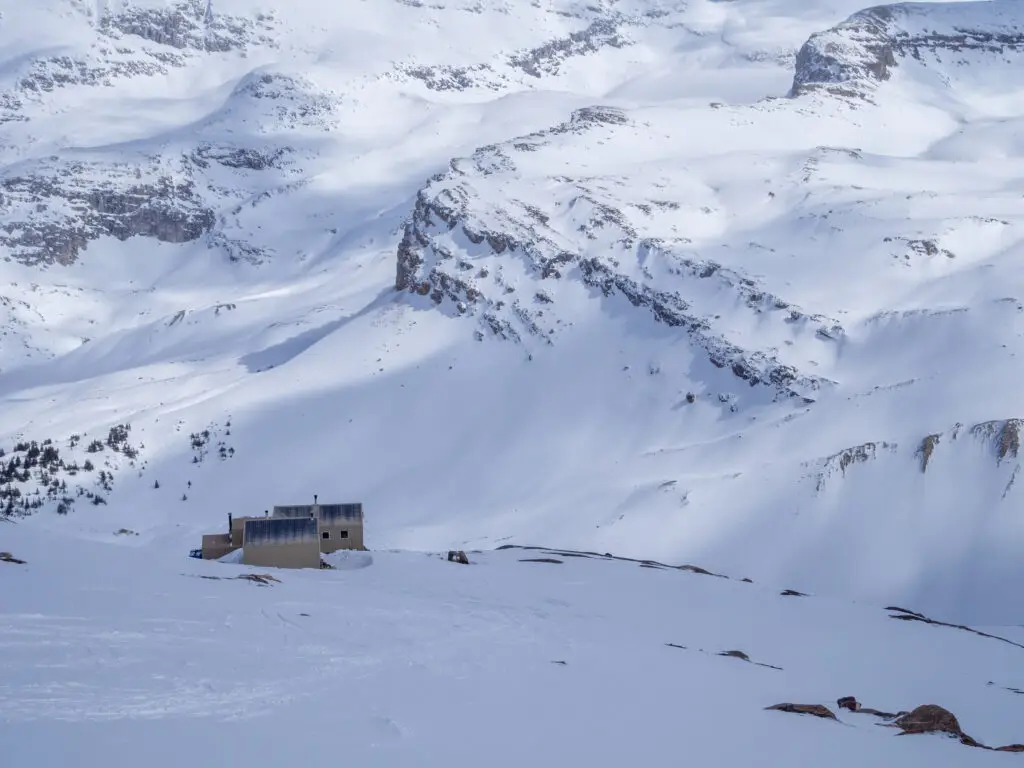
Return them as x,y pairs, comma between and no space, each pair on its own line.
343,534
325,535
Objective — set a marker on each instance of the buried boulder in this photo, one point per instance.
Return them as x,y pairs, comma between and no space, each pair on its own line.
817,710
927,718
931,718
262,579
848,702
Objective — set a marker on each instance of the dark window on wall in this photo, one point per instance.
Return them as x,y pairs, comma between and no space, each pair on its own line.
325,535
343,534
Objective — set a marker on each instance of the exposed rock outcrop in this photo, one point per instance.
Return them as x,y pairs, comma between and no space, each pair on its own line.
546,59
136,41
926,449
185,25
51,213
865,49
458,226
1001,436
603,30
817,710
904,615
842,460
927,718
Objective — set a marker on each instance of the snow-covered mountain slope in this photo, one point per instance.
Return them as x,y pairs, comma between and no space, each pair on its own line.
695,281
524,656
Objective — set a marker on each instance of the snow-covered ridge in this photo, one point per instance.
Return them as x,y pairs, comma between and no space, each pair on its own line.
132,41
468,232
868,46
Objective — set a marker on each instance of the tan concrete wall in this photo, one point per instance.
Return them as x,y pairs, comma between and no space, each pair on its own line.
298,554
336,542
216,545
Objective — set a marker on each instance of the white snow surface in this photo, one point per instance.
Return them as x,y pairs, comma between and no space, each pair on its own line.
735,284
135,657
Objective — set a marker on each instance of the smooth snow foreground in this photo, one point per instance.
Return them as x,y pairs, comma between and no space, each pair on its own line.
114,656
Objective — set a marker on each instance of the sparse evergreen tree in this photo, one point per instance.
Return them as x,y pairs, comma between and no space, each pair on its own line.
156,484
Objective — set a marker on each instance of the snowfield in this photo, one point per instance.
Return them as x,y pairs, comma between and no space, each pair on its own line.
138,657
735,284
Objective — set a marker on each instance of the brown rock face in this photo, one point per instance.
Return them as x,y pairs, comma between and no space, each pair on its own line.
880,713
818,710
930,718
848,702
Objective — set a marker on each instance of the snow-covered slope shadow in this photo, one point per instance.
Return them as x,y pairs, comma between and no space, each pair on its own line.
287,350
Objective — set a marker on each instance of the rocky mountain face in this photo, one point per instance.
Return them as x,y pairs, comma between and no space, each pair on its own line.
649,262
867,47
460,244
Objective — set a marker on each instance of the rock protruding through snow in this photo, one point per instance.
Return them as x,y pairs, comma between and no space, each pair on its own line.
852,57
